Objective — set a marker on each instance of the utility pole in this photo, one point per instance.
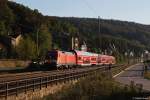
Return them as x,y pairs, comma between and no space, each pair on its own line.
37,42
99,33
72,43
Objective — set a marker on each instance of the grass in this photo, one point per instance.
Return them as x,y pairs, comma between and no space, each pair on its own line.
147,75
100,86
96,87
147,72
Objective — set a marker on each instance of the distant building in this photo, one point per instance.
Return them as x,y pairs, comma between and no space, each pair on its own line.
84,48
75,43
15,39
7,42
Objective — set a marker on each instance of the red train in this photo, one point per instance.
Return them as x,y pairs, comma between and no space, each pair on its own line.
77,58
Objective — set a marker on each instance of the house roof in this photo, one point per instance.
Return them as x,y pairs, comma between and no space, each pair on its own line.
14,35
83,53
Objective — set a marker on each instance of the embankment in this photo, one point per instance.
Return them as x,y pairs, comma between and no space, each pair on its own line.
13,63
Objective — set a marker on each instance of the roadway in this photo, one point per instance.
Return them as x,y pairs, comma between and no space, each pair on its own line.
133,73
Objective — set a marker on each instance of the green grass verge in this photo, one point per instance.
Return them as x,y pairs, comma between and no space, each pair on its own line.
96,87
147,75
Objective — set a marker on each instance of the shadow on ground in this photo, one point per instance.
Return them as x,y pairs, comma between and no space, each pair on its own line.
31,68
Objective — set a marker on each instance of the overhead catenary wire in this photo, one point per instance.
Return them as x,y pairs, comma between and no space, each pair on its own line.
90,7
99,30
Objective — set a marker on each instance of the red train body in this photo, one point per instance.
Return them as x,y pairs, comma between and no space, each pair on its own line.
77,58
61,58
83,58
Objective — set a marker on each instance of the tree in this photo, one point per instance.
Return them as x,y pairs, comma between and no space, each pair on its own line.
6,15
45,40
26,49
2,28
3,53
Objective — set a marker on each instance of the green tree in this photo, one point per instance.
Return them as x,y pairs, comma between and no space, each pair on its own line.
3,53
6,15
45,40
26,49
2,28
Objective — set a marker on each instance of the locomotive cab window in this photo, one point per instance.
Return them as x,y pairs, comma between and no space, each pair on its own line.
47,57
52,55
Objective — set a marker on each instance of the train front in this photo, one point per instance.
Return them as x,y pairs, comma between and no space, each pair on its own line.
51,58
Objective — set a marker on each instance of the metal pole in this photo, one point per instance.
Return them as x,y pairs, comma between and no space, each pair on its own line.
40,83
99,32
25,86
46,81
37,42
6,90
17,88
33,85
72,43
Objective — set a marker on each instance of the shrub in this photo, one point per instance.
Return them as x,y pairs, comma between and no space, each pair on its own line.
96,87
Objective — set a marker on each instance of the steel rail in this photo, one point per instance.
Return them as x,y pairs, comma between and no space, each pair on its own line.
24,84
15,87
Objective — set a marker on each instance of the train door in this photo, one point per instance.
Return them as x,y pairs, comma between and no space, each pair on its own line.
86,60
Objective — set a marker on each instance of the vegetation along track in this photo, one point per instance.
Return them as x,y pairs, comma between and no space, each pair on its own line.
30,81
28,75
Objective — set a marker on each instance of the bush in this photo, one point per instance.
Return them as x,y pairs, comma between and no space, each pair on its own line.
96,87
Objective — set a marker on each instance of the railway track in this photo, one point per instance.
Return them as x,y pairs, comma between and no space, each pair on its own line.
23,82
16,85
26,75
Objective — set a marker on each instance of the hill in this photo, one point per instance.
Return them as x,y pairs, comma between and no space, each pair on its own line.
126,36
116,37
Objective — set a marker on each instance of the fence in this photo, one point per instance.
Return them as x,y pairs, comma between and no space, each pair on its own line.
25,85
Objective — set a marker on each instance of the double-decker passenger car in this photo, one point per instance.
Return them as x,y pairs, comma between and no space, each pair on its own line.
83,58
59,58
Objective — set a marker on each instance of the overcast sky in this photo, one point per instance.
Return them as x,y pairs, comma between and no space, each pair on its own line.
128,10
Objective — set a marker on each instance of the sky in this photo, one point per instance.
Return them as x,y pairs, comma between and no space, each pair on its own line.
126,10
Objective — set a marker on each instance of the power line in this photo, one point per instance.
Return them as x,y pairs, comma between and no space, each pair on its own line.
99,30
90,7
99,34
